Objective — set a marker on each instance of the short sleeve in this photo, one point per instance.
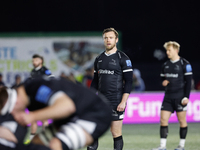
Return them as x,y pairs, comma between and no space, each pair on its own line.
187,69
126,63
41,91
43,94
47,72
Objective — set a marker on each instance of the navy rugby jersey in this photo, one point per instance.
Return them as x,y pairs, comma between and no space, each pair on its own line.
40,72
178,74
43,92
110,69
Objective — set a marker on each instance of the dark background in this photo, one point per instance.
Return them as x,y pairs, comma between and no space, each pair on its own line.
144,25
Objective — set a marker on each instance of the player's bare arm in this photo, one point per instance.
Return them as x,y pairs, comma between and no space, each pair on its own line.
62,107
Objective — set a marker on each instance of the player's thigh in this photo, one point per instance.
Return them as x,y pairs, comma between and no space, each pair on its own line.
164,117
182,118
116,128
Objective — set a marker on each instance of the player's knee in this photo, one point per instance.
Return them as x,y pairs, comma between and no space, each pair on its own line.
164,121
116,132
55,144
182,122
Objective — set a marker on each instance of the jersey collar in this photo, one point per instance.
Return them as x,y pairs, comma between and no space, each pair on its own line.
38,68
175,60
109,54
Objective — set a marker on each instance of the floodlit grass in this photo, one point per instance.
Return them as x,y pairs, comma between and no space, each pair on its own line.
146,137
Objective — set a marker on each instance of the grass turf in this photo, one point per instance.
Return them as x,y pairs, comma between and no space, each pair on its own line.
146,137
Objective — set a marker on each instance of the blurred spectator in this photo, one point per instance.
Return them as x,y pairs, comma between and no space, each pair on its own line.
87,79
1,80
72,78
17,81
63,75
69,77
138,83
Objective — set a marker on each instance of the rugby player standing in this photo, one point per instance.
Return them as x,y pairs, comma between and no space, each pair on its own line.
113,78
176,77
39,69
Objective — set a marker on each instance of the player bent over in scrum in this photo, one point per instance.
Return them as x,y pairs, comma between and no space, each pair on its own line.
12,134
77,112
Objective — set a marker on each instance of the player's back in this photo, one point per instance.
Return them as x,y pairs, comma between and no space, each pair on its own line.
42,90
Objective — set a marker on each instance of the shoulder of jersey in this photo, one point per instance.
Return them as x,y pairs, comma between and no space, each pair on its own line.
99,55
166,62
184,61
45,68
122,54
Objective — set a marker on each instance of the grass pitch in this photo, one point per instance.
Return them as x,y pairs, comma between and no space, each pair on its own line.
146,137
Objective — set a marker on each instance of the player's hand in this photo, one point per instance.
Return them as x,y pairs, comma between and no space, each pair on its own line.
121,106
24,118
185,101
165,82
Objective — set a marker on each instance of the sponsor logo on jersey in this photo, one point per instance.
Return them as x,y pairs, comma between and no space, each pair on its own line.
128,62
188,68
100,61
105,71
171,75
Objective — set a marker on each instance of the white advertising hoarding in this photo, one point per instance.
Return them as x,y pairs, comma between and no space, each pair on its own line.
61,54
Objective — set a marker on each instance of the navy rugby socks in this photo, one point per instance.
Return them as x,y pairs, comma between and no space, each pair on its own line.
118,143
